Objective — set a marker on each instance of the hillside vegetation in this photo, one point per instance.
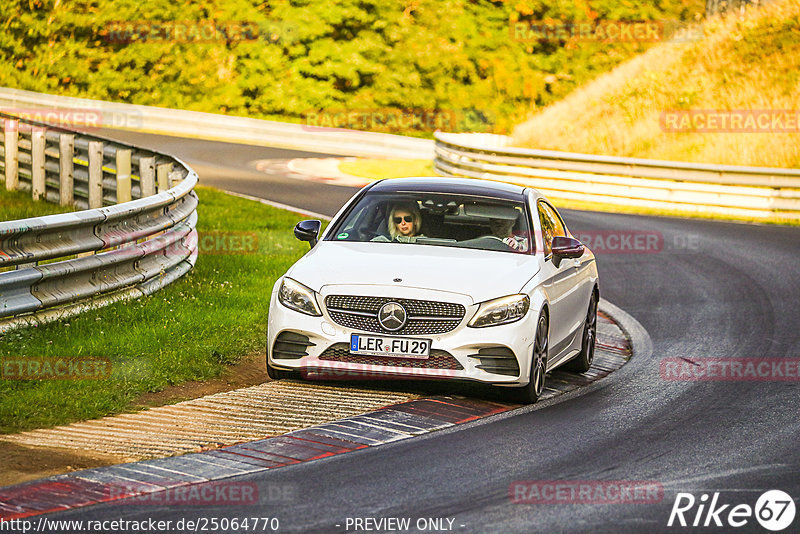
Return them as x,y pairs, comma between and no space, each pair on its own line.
313,55
745,62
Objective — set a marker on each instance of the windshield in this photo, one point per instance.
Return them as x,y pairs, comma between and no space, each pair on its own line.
438,219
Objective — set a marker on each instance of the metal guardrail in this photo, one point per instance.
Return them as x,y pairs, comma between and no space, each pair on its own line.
183,123
758,192
138,232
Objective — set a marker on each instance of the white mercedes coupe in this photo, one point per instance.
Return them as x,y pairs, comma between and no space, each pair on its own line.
437,278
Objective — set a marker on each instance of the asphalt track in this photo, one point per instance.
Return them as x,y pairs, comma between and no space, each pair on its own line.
715,289
230,166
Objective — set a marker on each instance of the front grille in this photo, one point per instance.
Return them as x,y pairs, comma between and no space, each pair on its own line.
425,317
438,359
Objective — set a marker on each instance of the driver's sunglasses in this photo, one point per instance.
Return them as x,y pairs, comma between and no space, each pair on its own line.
407,218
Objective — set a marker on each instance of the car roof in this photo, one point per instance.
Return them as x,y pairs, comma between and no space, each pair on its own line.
440,184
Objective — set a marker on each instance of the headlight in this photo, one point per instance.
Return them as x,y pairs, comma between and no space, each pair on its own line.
298,297
501,311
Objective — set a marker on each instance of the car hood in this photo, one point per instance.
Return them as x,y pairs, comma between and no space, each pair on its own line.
479,274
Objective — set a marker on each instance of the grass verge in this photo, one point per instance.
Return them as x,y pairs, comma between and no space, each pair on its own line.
191,330
20,205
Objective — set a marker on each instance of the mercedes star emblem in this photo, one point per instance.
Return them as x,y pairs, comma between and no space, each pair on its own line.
392,316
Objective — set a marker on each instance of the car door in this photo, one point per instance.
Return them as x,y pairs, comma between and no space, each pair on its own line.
579,297
560,283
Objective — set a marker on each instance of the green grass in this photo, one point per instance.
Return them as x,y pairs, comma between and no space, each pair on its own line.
19,205
190,330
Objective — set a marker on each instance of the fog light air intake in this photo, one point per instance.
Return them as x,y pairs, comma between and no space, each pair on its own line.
290,346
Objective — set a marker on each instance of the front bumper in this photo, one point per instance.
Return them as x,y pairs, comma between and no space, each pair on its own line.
460,354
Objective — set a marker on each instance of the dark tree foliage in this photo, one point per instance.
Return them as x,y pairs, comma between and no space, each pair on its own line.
292,57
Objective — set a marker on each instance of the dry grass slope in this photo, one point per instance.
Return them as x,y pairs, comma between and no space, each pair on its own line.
744,62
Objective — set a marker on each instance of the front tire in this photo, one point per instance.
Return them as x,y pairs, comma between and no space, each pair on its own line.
583,361
530,394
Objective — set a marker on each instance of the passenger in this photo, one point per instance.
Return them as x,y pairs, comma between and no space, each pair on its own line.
404,221
501,228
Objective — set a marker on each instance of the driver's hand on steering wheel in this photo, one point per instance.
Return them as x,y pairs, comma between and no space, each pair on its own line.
511,242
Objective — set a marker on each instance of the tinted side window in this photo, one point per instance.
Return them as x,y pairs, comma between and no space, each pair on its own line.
551,226
559,226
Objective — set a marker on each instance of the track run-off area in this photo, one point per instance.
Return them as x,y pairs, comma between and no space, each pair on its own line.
271,409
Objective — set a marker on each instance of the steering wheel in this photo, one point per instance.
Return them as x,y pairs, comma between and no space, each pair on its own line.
365,234
504,241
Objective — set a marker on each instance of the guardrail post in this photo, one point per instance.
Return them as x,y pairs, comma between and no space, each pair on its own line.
95,174
37,163
163,171
123,176
147,176
66,147
11,136
174,178
67,240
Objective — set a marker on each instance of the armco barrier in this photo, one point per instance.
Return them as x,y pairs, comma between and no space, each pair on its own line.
758,192
183,123
137,235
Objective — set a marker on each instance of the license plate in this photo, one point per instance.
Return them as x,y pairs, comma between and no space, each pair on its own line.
393,347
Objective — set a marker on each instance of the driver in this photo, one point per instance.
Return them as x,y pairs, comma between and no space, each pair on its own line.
404,221
501,228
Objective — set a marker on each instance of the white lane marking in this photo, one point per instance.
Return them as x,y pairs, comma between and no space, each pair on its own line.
274,204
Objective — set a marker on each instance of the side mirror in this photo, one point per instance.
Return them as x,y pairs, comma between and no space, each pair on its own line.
566,247
308,231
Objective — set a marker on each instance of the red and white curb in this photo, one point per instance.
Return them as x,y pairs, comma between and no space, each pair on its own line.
320,170
194,472
134,480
